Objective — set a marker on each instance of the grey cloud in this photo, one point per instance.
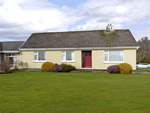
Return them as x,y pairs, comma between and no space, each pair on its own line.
102,20
100,11
8,25
121,2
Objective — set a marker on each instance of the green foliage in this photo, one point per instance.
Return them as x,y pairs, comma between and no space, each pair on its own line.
146,60
47,67
125,68
67,68
143,53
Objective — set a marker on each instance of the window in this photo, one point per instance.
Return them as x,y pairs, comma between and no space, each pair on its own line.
39,56
67,55
12,58
113,56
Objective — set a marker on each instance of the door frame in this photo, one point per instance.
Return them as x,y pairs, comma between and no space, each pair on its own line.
82,58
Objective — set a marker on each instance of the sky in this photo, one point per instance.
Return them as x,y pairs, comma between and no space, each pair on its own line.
20,18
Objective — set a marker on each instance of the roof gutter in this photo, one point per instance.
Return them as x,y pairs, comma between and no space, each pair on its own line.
9,51
83,48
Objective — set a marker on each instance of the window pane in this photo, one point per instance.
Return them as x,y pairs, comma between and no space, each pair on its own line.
105,52
41,55
72,55
115,56
14,54
35,57
63,52
63,56
106,57
14,60
68,55
8,54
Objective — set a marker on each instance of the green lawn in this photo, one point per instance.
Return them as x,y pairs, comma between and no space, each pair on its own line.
45,92
147,69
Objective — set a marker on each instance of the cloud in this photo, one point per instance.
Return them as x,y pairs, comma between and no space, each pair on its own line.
120,13
20,18
93,24
16,17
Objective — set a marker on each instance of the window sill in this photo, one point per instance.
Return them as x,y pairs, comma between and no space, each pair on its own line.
40,61
67,61
112,62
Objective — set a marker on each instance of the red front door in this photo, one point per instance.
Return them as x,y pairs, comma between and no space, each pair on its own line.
87,59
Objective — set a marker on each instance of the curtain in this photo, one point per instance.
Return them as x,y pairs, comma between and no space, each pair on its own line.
115,55
41,55
68,55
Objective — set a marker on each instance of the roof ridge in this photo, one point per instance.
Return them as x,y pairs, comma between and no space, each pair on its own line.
75,31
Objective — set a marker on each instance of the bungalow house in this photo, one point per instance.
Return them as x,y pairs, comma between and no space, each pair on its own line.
9,50
92,49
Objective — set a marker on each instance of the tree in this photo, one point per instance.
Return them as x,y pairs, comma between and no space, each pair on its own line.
143,53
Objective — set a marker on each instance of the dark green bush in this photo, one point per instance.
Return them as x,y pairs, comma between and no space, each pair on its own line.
67,68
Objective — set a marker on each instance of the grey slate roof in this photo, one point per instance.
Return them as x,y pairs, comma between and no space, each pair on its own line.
74,39
10,45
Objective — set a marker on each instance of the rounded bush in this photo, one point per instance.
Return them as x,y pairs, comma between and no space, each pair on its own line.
57,68
47,67
56,64
125,68
112,69
67,68
118,70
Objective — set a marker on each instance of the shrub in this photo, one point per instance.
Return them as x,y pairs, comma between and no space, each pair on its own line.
125,68
118,70
22,64
112,69
47,67
67,68
5,66
57,68
56,64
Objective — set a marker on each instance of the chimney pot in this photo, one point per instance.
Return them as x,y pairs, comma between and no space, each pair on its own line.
109,27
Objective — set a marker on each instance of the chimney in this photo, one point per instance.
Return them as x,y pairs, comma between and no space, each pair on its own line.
109,28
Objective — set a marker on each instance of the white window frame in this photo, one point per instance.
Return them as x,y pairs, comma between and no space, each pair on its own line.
11,56
112,61
64,53
36,53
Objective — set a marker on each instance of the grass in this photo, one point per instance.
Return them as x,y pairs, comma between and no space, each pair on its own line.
45,92
146,69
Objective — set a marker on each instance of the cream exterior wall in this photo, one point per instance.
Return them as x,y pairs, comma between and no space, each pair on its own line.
97,58
51,56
